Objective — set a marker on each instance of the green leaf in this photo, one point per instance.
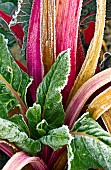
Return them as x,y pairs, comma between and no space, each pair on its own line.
48,92
6,31
11,132
13,82
22,16
19,121
89,11
34,117
7,7
42,127
56,138
91,145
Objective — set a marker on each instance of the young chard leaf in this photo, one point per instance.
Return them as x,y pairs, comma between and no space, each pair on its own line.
56,138
34,117
91,145
48,92
11,132
42,127
13,82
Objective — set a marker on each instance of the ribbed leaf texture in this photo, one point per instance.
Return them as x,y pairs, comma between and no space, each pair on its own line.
91,145
13,81
56,138
11,132
48,93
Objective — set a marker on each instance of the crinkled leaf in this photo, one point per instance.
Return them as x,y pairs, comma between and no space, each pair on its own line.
19,121
56,138
48,93
42,127
34,117
11,132
91,146
89,11
13,81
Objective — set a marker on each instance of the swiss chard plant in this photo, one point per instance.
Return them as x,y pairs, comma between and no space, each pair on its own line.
55,112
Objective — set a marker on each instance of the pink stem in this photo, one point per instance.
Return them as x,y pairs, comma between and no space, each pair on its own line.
20,159
34,62
67,22
82,95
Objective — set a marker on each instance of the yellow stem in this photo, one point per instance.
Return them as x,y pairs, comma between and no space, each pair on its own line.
91,60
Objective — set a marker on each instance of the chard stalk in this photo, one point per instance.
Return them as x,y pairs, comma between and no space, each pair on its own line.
34,62
67,24
20,159
100,104
47,35
106,117
90,63
8,148
85,91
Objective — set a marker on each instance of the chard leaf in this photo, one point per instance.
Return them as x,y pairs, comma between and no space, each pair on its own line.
91,145
13,82
48,93
89,11
7,7
34,117
19,121
56,138
4,29
11,132
42,127
22,16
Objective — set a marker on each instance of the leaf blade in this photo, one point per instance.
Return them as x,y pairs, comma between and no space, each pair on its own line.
93,142
13,81
11,132
56,138
48,93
